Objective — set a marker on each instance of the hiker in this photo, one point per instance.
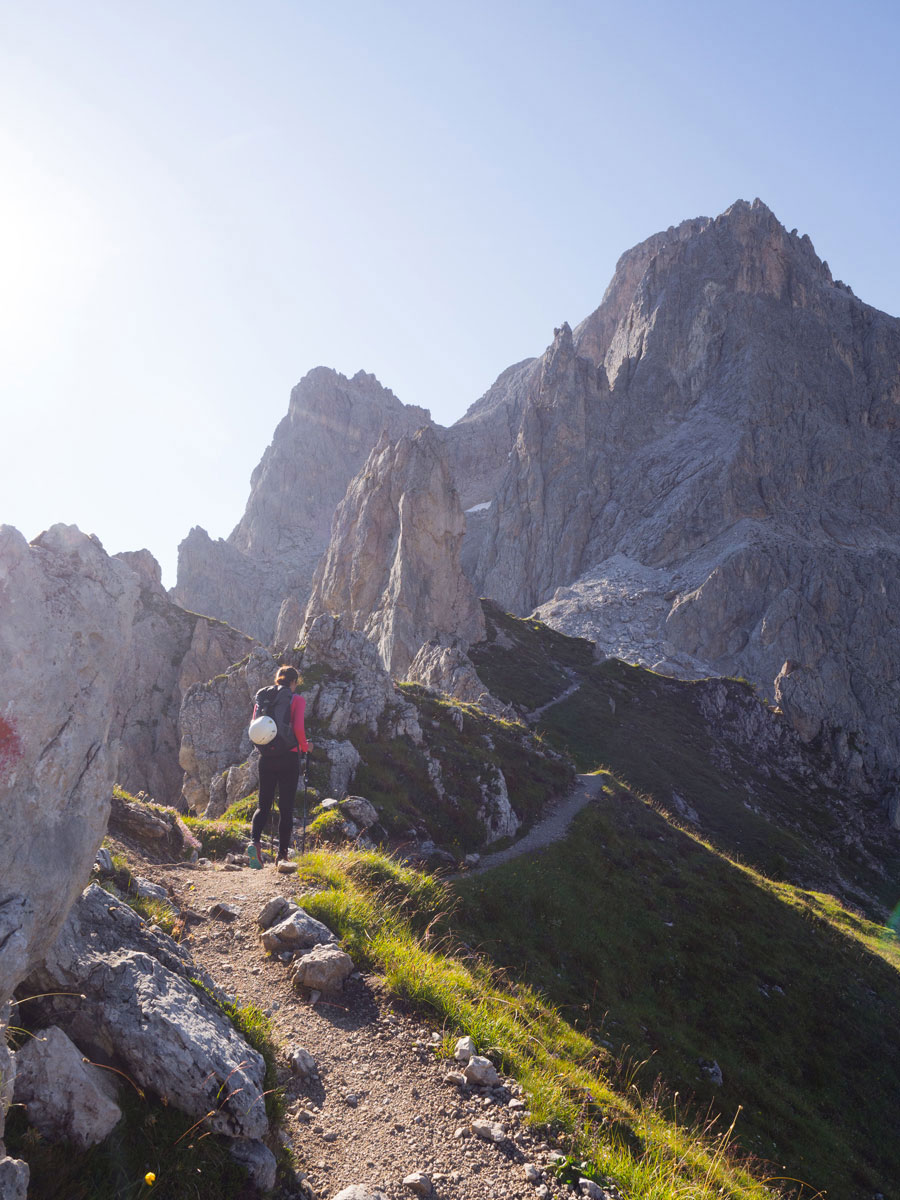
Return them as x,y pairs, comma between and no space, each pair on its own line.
279,766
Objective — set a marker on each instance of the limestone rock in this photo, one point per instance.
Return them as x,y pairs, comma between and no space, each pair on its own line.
465,1049
392,567
14,1175
257,1160
442,665
343,759
360,1191
709,464
323,969
481,1071
331,425
65,1098
214,718
360,811
496,813
171,649
357,690
275,910
302,1063
297,931
141,1010
68,611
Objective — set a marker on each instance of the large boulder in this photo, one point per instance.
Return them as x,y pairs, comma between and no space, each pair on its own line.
392,568
65,1098
139,1010
66,640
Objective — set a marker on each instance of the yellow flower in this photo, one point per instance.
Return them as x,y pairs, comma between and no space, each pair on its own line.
149,1179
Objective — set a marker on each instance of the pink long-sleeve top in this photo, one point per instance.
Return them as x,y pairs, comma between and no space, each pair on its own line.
298,711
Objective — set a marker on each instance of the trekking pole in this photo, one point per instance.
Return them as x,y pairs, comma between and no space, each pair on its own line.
303,835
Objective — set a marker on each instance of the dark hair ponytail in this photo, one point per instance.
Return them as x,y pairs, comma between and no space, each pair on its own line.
287,676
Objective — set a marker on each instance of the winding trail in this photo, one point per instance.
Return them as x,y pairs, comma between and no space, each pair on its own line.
551,828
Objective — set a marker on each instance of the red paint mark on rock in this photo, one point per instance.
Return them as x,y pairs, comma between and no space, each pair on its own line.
10,745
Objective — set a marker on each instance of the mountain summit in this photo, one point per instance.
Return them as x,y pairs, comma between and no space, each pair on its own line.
701,477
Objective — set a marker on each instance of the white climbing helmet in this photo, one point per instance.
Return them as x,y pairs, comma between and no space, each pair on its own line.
262,730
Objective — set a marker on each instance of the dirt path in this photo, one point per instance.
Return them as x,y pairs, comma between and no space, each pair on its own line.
550,828
570,691
379,1109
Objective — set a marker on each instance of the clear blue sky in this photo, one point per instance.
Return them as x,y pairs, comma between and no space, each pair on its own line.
199,202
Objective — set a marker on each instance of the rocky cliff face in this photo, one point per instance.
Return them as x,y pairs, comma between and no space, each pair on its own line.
329,431
708,467
64,642
170,650
392,568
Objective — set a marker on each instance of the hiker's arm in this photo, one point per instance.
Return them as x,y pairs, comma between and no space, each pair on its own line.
298,710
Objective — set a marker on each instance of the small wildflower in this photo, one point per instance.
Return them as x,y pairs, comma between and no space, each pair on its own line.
149,1179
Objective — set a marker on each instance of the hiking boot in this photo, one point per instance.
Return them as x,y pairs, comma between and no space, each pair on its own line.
254,854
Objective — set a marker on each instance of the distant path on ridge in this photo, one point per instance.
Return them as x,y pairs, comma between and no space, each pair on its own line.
551,828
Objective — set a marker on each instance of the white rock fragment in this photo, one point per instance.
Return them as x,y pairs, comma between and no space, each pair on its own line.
465,1050
481,1071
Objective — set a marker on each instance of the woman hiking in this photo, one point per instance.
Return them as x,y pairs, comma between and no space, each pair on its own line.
279,764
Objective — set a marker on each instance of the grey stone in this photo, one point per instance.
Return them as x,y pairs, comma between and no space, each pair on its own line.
104,861
65,1098
14,1176
465,1049
331,425
257,1160
274,910
594,1191
302,1063
324,968
752,515
392,567
419,1183
489,1131
140,1007
361,811
359,1191
481,1072
297,931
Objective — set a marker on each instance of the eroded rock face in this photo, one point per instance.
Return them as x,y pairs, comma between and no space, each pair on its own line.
65,640
392,568
171,650
213,720
728,419
138,1007
331,425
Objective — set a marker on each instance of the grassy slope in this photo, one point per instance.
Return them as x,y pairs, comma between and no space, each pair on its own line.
648,730
655,940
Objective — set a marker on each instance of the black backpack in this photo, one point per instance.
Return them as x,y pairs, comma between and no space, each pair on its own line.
275,701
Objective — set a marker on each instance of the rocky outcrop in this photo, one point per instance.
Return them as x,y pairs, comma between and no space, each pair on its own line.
213,721
170,651
392,568
718,443
64,1097
136,1008
346,687
331,425
442,665
65,642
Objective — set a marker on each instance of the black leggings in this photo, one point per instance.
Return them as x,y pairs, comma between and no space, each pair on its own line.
281,771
